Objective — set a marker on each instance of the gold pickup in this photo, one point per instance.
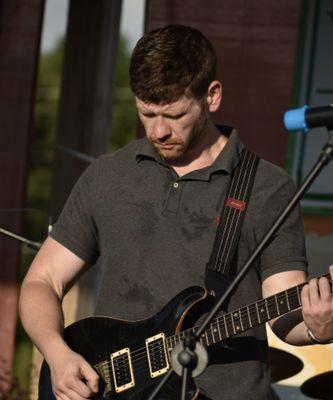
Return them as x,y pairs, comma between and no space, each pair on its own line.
122,370
158,356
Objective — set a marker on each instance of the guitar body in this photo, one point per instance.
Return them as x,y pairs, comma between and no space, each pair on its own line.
98,339
132,357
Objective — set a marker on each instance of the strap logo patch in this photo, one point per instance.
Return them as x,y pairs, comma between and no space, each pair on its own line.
237,204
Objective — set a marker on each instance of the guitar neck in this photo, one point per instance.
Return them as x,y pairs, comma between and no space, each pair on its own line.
247,317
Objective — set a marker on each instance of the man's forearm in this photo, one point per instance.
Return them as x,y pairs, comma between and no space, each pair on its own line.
42,317
291,329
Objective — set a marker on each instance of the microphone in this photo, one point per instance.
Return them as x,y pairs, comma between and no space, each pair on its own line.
307,117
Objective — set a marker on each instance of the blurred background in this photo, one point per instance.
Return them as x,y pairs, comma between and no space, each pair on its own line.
65,100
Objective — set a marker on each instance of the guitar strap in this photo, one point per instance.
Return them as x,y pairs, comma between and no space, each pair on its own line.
219,268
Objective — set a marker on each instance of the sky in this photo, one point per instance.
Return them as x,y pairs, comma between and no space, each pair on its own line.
55,20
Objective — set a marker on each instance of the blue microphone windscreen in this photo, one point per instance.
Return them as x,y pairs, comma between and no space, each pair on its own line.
294,120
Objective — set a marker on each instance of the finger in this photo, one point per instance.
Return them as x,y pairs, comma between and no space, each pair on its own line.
305,297
324,290
81,389
62,396
331,273
91,376
313,292
73,395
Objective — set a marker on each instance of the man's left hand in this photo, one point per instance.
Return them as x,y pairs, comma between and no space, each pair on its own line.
317,307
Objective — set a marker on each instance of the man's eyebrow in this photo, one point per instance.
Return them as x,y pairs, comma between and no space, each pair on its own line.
170,113
177,113
174,114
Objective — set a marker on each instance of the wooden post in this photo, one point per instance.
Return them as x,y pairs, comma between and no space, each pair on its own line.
87,90
19,43
84,121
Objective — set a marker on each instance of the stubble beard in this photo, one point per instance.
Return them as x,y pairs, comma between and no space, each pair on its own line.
182,149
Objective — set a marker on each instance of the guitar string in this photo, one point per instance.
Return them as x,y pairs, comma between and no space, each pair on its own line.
216,323
250,309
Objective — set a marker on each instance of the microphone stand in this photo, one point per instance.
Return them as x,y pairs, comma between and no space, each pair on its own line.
188,358
33,245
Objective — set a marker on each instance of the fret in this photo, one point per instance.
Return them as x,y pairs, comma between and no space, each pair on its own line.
240,318
248,313
298,295
222,327
293,299
267,309
178,339
206,337
286,292
262,306
277,304
219,330
258,313
225,326
201,339
232,321
245,318
213,330
235,318
272,308
283,305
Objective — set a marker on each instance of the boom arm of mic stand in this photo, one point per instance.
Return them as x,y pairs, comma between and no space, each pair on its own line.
324,158
33,245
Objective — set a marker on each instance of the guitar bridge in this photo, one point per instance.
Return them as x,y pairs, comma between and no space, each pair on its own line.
122,370
158,357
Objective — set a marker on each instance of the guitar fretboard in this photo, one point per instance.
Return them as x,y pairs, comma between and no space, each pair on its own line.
244,318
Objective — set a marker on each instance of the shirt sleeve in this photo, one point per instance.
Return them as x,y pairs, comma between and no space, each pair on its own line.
286,249
75,228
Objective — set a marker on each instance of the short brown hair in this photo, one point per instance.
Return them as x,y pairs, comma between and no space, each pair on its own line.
170,62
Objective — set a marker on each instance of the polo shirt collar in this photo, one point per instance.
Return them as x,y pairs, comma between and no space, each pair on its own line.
225,161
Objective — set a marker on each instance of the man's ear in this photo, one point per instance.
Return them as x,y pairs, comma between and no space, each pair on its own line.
214,96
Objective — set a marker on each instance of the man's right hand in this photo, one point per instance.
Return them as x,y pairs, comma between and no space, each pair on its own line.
72,377
52,273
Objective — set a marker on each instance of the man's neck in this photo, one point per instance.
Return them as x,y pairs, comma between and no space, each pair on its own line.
204,154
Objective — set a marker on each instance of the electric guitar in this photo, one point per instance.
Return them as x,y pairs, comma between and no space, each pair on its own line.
132,357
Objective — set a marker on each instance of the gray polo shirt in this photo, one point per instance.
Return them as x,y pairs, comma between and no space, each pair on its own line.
154,233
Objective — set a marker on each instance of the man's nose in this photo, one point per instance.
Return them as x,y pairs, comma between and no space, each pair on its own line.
161,128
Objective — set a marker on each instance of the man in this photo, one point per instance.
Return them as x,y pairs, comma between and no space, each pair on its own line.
150,210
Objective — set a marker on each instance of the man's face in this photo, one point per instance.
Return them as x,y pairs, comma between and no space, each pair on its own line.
173,129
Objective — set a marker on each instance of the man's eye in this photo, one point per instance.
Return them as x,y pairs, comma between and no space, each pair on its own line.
176,116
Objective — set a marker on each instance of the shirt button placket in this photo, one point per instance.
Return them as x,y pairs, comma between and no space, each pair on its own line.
173,197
